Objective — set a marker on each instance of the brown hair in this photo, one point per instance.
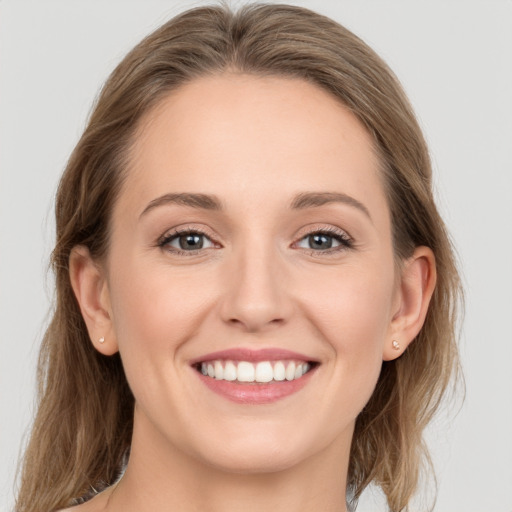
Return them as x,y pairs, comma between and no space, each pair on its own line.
83,425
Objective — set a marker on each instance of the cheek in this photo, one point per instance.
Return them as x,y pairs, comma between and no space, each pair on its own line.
153,307
353,306
353,311
157,315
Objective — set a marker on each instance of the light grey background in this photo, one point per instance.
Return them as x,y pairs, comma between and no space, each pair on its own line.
454,59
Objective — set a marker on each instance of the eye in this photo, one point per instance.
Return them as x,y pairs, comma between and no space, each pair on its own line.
325,241
186,241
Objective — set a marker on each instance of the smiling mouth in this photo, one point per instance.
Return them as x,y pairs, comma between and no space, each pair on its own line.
262,372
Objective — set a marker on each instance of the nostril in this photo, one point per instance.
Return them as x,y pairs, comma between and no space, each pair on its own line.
255,323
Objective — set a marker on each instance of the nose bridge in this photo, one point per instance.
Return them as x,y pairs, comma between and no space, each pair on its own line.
256,296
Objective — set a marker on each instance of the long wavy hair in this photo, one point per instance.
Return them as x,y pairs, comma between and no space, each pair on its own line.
82,430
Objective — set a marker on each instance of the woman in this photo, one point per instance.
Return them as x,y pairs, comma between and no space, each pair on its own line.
256,296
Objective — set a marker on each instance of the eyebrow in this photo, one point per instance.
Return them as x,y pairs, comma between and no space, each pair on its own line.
315,199
302,201
200,201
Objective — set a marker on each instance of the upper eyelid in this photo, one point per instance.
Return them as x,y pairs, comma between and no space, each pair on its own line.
342,239
180,230
329,230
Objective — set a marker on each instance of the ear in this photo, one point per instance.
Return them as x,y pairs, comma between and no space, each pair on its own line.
412,298
91,291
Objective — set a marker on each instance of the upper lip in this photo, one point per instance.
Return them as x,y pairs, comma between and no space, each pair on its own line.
252,355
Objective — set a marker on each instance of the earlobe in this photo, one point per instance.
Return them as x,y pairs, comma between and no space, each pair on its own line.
91,291
414,291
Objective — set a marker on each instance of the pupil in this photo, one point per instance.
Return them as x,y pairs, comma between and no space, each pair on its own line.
191,242
320,241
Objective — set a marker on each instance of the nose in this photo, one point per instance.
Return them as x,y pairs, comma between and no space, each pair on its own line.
256,297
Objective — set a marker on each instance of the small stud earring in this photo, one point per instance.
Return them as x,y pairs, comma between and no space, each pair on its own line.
102,340
396,345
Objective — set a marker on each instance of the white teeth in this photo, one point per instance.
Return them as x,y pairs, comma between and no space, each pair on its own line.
263,371
279,371
219,371
290,371
230,371
245,372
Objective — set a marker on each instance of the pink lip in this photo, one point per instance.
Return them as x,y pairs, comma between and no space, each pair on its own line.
255,393
251,355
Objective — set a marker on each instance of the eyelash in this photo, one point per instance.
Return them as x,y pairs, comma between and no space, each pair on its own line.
345,241
167,238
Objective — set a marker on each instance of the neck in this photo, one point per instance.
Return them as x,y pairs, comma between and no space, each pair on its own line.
161,476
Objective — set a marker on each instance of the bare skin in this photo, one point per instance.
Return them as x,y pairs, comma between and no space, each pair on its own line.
276,266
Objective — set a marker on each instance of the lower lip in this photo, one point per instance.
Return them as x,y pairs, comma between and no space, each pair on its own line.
255,393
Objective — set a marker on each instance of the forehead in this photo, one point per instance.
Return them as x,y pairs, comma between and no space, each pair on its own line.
237,135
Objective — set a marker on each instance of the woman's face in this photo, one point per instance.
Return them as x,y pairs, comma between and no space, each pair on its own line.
251,240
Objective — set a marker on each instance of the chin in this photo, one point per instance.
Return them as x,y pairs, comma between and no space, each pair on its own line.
258,454
262,462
